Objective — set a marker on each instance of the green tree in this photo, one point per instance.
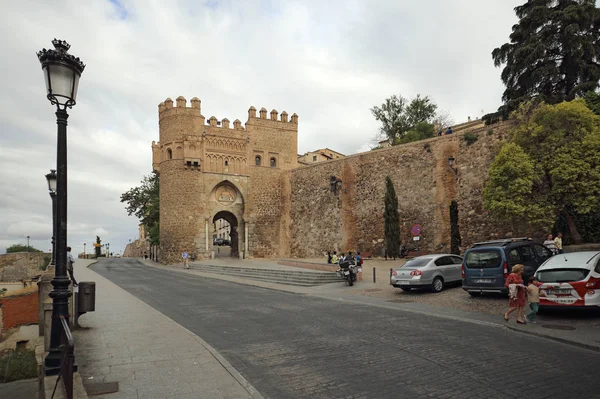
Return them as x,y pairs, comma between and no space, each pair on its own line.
550,166
553,53
97,248
398,116
455,239
420,131
144,202
21,248
592,100
391,220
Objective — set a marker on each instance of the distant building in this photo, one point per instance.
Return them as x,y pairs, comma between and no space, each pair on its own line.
321,155
222,228
384,143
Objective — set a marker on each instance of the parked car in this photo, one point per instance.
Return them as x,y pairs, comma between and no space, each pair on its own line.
571,279
217,241
487,264
428,271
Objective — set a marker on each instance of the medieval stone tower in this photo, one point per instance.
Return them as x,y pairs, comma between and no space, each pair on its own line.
211,171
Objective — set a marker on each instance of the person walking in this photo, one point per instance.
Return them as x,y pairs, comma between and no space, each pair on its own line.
558,243
70,261
533,297
516,293
185,256
549,243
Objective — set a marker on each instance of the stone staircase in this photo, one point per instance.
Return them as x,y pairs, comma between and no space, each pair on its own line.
287,277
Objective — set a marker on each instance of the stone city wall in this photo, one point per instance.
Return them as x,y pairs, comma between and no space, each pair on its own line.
425,184
23,265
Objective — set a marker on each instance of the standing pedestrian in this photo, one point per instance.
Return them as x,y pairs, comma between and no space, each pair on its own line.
329,257
533,297
516,293
558,243
334,258
185,255
549,243
70,261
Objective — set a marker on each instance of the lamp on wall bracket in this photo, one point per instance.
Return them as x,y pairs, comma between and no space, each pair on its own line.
451,163
335,183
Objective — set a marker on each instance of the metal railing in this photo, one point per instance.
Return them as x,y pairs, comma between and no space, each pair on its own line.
67,347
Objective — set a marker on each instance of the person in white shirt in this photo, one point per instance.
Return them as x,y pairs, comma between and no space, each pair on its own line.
549,243
70,261
185,256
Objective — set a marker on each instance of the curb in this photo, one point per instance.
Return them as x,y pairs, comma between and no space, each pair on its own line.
218,357
595,348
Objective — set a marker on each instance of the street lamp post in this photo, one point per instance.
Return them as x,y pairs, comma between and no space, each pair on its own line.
51,179
107,250
61,72
84,253
27,243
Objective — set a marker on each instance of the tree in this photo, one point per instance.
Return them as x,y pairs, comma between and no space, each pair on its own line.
391,219
553,53
455,239
550,167
144,202
97,248
592,100
21,248
420,131
397,116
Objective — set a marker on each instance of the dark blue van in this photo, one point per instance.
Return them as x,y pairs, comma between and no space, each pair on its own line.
486,265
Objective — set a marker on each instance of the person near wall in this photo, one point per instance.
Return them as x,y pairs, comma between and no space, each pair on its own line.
334,258
558,243
329,257
70,261
551,245
516,293
185,256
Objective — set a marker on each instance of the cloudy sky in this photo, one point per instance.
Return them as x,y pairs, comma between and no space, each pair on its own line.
328,61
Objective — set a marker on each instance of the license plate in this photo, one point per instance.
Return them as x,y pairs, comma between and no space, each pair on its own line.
346,273
483,280
559,292
404,282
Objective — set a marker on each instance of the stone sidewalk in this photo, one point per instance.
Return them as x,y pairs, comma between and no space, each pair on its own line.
587,338
147,353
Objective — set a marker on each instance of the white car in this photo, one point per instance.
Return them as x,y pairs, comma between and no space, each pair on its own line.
570,279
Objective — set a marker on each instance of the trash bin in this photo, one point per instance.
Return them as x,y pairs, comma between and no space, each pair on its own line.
87,297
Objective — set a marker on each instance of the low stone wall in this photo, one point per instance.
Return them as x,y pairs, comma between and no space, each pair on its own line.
326,267
19,308
20,266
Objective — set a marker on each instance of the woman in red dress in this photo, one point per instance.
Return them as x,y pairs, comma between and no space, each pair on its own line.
516,293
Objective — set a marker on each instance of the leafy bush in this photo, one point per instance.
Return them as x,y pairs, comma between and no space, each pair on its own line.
490,132
20,365
427,147
470,138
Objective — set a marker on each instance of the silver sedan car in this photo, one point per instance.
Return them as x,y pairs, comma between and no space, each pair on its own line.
428,271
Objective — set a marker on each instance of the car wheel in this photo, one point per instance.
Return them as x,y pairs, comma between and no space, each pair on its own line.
438,284
406,289
474,293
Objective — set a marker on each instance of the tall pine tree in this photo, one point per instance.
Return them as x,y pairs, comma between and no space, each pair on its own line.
391,220
455,239
553,53
97,247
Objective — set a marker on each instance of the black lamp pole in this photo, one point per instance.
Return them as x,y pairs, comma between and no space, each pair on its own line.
61,72
51,178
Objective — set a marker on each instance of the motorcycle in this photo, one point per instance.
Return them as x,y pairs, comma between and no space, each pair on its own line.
348,271
403,251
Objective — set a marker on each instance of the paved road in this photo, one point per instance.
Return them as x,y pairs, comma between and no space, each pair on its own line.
293,346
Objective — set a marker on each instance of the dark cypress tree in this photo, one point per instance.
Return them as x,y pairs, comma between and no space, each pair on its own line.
592,100
455,240
553,53
97,248
391,219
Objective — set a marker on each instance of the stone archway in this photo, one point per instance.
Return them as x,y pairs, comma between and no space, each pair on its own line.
233,233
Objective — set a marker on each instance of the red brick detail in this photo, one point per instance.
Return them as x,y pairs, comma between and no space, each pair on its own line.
19,310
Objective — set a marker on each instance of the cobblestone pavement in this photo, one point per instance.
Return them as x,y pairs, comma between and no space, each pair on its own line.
295,346
454,297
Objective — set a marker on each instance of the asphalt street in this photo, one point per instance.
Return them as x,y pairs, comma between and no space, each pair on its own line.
295,346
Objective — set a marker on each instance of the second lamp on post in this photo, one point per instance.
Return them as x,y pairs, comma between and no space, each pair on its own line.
61,73
51,179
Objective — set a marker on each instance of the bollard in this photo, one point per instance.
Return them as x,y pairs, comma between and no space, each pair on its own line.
374,279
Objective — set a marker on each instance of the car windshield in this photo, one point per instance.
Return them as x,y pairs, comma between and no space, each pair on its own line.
483,259
417,262
562,275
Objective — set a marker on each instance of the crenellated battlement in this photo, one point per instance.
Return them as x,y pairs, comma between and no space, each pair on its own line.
179,107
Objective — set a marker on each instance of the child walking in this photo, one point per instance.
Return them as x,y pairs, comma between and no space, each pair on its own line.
533,297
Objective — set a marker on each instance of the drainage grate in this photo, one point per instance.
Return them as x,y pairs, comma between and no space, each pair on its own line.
558,327
102,388
373,290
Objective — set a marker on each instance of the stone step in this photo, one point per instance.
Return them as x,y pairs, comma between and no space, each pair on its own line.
289,277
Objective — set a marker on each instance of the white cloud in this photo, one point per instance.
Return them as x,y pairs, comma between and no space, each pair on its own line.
328,61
